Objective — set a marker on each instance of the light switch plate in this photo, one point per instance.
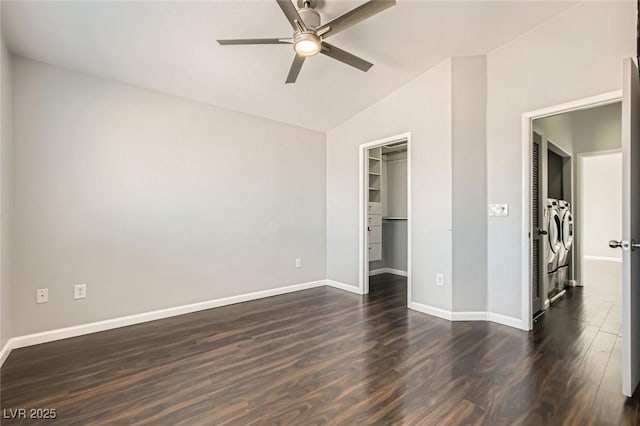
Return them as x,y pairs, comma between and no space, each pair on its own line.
499,210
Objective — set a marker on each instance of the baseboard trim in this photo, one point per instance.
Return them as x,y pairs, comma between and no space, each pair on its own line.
506,320
94,327
603,259
430,310
469,316
388,271
343,286
5,351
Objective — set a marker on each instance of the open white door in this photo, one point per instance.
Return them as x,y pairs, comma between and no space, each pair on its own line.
630,227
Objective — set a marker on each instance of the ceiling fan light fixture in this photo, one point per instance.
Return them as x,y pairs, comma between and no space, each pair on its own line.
307,44
309,35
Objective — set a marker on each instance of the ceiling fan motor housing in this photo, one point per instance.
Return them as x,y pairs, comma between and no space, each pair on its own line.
310,17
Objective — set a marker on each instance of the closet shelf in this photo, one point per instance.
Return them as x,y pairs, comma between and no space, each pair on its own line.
374,173
393,218
373,189
374,158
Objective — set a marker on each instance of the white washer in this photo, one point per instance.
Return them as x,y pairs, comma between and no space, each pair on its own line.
566,220
554,232
554,244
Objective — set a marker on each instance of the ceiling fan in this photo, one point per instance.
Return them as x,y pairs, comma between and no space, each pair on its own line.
308,35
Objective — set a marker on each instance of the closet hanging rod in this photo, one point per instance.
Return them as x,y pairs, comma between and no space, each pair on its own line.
395,150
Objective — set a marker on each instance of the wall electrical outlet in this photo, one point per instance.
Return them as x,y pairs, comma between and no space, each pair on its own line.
298,263
440,280
42,295
79,291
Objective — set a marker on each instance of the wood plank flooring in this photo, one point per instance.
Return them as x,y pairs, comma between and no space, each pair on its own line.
325,356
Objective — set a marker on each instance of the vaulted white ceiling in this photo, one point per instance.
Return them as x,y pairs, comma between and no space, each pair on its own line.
171,47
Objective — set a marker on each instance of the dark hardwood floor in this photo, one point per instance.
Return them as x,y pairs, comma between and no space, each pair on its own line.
325,356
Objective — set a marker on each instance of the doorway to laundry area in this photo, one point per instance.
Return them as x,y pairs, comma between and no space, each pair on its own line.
576,208
576,204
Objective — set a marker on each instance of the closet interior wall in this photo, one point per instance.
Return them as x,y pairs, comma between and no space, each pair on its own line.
393,197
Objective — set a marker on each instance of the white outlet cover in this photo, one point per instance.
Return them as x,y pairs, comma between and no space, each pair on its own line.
440,280
79,291
298,263
42,295
499,210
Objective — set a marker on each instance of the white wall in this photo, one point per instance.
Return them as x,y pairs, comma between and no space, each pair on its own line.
394,231
558,129
469,184
597,129
577,54
396,173
600,269
423,107
394,204
394,244
601,204
152,200
5,194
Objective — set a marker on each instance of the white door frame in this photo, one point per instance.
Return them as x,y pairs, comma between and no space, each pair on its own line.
363,235
527,129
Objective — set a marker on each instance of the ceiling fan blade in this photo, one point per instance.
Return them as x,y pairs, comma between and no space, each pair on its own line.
256,41
295,69
354,16
292,15
346,57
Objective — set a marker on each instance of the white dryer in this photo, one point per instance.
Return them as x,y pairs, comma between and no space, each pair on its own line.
554,244
566,238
